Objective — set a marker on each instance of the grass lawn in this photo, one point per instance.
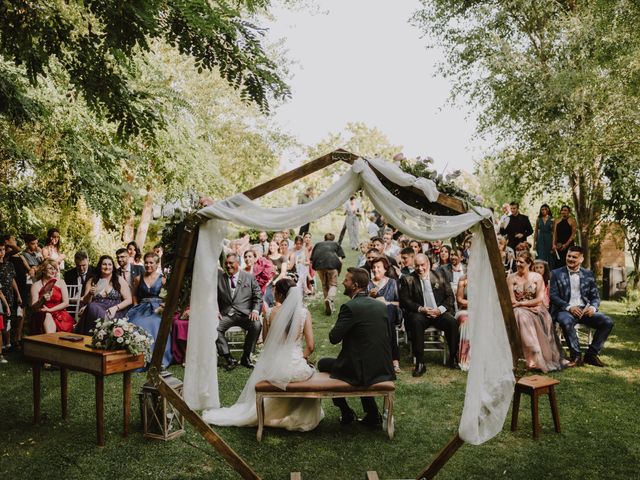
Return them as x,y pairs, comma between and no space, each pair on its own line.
599,412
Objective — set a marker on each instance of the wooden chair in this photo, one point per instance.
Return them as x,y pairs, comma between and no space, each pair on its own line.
535,386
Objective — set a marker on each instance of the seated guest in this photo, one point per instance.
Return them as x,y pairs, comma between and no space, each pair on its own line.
239,304
372,227
391,248
52,248
32,257
385,289
462,317
362,259
507,255
443,257
279,270
378,244
81,272
539,343
5,311
542,267
258,266
434,253
49,299
574,299
427,301
107,295
453,270
299,257
127,270
146,312
159,251
263,243
466,247
406,259
416,246
134,253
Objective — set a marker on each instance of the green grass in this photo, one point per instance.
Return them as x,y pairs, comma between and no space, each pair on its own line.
599,411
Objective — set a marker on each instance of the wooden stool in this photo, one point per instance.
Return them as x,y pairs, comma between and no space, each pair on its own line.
535,386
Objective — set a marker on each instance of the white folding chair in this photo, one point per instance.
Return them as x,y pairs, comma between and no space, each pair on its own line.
235,338
74,292
584,335
434,341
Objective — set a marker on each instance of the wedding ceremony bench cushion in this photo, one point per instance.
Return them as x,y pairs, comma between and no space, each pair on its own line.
321,385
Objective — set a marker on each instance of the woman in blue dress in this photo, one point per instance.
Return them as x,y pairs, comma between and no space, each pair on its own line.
385,289
146,312
542,236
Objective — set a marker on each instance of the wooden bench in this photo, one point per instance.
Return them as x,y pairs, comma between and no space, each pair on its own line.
320,385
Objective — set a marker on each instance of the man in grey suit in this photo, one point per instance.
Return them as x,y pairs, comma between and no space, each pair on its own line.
365,358
239,302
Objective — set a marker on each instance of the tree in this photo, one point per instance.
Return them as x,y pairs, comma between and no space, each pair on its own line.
95,43
554,85
623,205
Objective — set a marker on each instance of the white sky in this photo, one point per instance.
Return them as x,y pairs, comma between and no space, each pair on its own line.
363,61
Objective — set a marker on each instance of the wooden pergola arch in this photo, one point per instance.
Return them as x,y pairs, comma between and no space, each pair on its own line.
410,195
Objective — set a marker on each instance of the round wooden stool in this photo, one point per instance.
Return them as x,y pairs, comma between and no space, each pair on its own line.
535,386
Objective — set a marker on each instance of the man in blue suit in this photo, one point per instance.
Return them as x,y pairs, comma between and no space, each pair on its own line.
574,299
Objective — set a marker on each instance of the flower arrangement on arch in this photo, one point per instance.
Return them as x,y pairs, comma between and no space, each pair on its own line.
119,334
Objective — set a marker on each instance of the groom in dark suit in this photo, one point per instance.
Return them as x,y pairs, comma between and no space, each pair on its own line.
365,358
239,303
574,299
427,301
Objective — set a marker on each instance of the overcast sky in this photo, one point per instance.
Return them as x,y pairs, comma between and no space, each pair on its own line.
362,61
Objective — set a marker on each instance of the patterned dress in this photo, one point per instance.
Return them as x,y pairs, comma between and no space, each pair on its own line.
97,309
539,342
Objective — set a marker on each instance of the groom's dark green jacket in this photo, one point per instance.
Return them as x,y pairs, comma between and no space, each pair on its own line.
363,329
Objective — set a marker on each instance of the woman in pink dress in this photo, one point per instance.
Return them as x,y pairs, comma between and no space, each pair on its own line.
49,301
539,342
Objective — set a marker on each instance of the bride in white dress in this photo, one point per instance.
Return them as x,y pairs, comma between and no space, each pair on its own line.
282,361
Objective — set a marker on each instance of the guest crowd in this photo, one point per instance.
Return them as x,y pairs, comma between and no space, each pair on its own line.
422,284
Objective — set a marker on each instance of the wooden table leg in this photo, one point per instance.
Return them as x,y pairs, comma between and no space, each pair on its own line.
100,409
64,391
126,399
37,368
554,408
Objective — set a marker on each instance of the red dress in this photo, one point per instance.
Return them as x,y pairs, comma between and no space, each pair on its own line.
63,321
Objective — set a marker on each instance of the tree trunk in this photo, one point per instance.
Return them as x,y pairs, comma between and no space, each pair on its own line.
145,219
128,228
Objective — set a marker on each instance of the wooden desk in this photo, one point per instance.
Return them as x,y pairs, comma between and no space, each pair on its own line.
49,348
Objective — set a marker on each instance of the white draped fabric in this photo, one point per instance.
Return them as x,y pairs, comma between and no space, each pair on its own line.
490,380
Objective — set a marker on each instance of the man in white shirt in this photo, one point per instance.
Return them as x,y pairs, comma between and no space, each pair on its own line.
427,301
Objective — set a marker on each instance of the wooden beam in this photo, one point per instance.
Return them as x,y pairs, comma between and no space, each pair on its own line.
183,250
296,476
300,172
231,457
442,458
499,277
371,475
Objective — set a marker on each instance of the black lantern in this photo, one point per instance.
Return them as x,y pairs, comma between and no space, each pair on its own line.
160,419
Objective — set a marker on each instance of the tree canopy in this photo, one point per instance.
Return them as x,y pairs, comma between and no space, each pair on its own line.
95,43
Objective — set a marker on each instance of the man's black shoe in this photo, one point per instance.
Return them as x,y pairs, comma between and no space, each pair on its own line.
372,421
231,363
420,370
593,360
347,417
246,362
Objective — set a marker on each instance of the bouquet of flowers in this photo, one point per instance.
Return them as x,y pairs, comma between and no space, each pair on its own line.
119,334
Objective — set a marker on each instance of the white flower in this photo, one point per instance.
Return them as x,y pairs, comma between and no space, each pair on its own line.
127,342
120,340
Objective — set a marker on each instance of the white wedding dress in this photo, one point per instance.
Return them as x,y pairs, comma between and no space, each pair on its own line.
281,362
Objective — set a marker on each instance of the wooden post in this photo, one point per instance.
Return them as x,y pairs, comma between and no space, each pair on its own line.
497,270
173,294
126,402
100,409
